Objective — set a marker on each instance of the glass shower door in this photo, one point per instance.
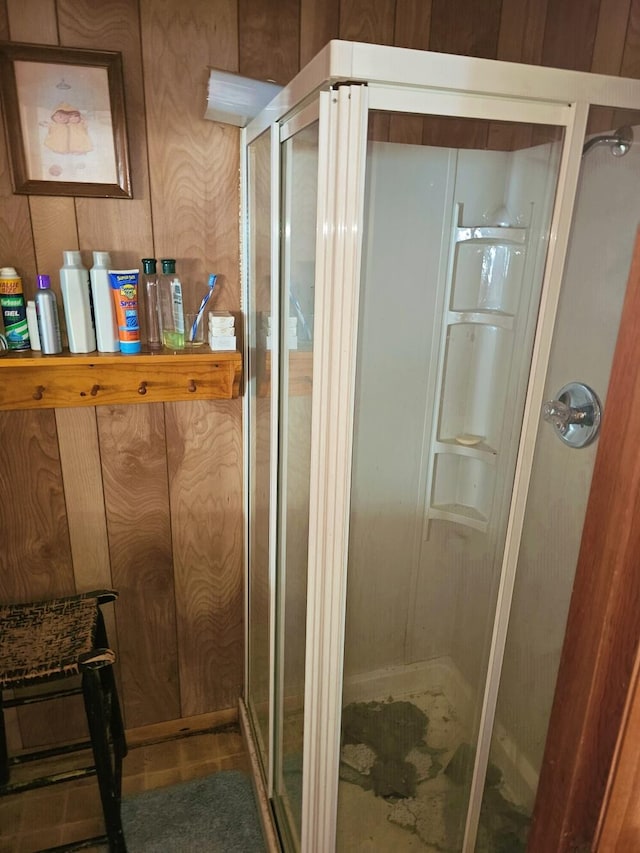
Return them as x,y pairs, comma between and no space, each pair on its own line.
456,232
259,393
299,188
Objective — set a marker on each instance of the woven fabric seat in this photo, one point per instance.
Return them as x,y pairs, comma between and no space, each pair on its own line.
46,641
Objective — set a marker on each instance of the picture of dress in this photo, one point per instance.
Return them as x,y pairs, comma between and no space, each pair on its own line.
67,131
66,120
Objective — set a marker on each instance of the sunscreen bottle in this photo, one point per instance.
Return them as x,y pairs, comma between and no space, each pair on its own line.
74,284
124,291
103,307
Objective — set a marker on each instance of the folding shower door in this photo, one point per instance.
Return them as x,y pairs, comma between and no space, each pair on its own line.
404,262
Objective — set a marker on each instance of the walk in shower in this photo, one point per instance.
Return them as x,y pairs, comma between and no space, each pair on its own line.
426,262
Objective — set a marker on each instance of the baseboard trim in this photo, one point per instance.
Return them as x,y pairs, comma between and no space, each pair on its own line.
182,727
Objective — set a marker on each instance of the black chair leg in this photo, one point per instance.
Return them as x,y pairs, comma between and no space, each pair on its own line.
108,772
4,755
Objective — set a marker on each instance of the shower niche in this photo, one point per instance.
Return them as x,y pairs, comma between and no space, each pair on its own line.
424,228
487,287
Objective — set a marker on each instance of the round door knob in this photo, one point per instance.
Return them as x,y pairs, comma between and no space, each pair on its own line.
575,414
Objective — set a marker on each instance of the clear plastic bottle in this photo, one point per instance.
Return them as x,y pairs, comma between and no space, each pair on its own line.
75,287
152,304
171,307
48,320
103,307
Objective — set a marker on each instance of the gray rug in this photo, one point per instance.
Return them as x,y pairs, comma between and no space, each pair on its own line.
215,814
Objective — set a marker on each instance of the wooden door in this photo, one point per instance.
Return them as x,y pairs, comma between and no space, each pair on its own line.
603,627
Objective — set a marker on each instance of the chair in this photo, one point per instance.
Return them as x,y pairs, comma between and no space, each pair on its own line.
47,641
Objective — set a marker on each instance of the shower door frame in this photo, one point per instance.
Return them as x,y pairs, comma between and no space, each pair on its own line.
387,71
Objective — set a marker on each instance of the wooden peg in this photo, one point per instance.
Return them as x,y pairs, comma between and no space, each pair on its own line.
192,386
37,394
142,388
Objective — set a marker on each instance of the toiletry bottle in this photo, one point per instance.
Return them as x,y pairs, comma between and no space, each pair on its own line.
14,309
103,309
75,287
32,325
171,308
152,305
48,319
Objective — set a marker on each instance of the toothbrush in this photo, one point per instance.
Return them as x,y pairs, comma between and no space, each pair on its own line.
212,283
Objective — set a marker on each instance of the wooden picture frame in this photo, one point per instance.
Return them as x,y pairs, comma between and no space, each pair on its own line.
64,120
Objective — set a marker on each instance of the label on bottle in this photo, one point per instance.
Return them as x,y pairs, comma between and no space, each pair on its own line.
178,312
14,313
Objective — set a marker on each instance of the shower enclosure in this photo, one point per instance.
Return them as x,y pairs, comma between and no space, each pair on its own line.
427,260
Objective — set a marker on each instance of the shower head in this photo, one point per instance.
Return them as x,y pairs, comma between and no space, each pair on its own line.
620,142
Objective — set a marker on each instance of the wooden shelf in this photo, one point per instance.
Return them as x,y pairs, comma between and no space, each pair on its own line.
34,381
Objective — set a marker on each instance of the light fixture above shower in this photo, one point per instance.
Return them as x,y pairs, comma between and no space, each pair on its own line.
620,141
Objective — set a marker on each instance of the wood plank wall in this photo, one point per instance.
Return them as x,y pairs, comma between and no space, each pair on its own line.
148,498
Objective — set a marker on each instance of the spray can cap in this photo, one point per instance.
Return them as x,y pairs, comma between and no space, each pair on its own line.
149,265
44,281
8,272
168,265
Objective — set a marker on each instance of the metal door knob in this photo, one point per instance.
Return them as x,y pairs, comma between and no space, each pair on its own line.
575,413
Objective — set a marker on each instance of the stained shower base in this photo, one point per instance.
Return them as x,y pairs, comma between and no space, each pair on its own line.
431,820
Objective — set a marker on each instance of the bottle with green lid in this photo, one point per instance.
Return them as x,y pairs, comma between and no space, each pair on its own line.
152,306
171,307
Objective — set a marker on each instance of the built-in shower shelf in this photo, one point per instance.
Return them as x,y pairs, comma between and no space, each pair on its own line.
485,318
459,514
493,233
477,451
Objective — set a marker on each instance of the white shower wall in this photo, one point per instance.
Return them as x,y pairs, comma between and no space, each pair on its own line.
606,219
421,593
415,604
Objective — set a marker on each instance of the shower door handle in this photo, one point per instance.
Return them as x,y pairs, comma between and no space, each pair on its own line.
575,413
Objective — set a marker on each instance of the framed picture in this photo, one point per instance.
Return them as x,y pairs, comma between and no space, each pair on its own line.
65,120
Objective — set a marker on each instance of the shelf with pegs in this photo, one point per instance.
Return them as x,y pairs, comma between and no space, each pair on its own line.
31,380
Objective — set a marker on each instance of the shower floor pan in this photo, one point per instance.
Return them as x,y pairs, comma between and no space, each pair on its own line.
419,803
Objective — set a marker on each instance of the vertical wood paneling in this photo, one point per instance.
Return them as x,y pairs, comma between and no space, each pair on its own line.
631,55
194,164
204,450
608,48
35,558
33,20
619,825
465,27
53,219
319,23
134,467
412,24
269,39
521,31
367,20
120,226
84,497
412,29
570,34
